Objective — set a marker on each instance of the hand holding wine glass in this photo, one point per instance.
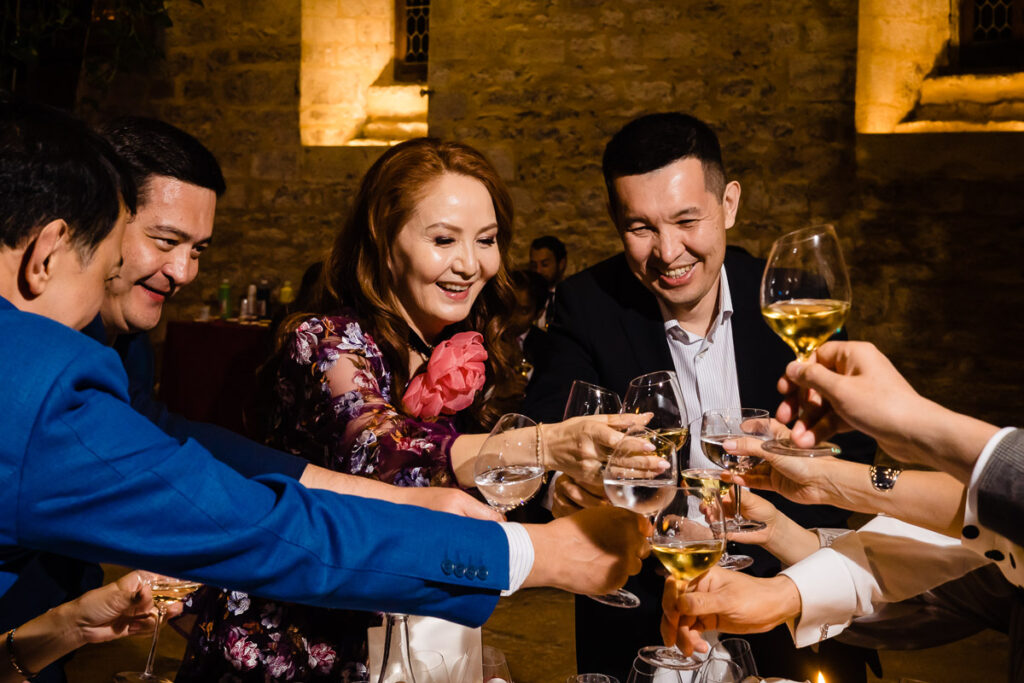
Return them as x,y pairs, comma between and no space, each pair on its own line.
687,546
508,471
658,393
729,424
166,591
805,298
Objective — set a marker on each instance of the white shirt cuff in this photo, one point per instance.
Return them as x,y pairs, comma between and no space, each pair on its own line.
826,596
979,467
520,555
549,494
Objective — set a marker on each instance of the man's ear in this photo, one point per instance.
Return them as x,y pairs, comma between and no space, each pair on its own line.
731,203
40,259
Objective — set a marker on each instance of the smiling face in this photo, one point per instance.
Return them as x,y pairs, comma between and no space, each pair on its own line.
673,230
162,245
445,253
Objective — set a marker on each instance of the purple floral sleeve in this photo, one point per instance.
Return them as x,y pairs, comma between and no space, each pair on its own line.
334,406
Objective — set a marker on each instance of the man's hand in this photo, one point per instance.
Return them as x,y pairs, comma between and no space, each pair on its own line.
443,499
571,496
851,385
725,601
592,552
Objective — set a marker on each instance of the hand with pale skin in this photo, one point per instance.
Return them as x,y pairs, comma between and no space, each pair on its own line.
571,496
852,385
781,536
727,601
933,500
118,609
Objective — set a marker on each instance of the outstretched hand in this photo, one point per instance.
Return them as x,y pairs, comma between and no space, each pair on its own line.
579,446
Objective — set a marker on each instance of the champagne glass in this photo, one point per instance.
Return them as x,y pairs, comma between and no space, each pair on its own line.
723,424
508,471
712,483
166,591
589,399
805,297
687,547
659,393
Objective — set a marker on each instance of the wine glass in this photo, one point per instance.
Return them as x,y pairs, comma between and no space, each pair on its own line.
711,481
723,424
687,547
591,678
589,399
738,651
643,672
719,670
805,297
495,667
641,473
428,666
507,470
166,591
659,393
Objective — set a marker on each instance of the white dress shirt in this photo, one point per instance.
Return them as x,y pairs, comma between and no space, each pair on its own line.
706,367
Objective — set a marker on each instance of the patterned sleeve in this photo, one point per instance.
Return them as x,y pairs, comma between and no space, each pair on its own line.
334,394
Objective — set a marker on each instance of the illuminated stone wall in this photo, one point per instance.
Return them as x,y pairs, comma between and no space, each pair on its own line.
932,224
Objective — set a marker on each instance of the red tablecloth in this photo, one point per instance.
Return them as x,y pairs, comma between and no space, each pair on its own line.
209,369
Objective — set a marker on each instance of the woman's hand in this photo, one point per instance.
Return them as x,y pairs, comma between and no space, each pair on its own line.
117,609
571,496
579,446
756,508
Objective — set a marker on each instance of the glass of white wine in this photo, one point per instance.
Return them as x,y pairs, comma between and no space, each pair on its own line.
805,298
724,424
658,393
641,473
713,484
689,539
507,470
166,591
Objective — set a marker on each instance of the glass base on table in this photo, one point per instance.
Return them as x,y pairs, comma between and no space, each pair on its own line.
668,658
787,447
620,598
735,562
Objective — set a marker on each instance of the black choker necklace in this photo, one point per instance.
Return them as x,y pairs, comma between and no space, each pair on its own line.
419,346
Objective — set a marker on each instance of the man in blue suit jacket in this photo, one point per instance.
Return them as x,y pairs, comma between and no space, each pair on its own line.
86,476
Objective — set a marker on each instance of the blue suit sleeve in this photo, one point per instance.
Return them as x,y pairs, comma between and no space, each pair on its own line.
98,482
246,457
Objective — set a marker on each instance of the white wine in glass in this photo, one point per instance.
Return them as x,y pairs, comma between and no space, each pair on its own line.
805,298
166,591
507,470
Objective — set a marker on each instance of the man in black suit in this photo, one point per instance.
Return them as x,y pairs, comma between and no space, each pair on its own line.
676,298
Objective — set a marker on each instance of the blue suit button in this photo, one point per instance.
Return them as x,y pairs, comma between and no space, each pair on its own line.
459,571
481,573
447,566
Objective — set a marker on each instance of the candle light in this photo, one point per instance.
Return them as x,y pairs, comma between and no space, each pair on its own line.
821,678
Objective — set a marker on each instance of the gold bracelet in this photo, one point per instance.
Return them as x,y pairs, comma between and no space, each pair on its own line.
15,664
540,446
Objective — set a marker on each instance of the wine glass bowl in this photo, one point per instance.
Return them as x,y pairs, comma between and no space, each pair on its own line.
589,399
507,470
805,298
724,424
659,393
640,474
688,540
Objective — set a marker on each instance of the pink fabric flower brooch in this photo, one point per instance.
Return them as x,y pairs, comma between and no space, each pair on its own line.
455,372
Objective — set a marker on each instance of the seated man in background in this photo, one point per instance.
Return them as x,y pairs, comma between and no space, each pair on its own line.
548,258
88,477
531,295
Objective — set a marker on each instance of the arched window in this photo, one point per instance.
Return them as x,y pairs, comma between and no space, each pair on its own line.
412,39
991,36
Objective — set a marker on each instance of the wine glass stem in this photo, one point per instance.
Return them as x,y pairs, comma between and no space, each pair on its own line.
160,612
737,490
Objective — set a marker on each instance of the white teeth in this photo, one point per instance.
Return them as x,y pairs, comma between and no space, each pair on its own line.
453,288
679,272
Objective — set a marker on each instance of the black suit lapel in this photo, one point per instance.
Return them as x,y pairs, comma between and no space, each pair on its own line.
642,328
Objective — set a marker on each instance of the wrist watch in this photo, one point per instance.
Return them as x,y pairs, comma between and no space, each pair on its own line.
883,477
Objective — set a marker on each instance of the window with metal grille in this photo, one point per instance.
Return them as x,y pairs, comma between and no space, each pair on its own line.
412,39
991,36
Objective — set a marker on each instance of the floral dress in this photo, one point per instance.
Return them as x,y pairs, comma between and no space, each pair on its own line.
346,424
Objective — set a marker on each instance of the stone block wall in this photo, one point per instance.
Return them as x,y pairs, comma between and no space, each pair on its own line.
932,225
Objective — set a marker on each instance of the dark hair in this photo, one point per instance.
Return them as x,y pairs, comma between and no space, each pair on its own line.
534,284
550,242
356,273
53,166
655,141
156,148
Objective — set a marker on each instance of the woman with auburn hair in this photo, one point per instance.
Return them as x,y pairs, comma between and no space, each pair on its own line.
400,366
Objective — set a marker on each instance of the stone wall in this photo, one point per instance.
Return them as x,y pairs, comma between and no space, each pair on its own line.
931,224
